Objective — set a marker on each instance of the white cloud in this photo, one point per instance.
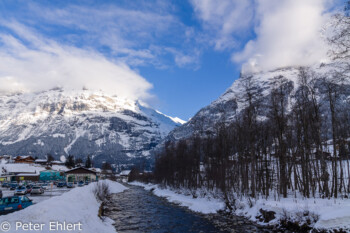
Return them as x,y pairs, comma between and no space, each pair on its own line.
288,34
224,18
186,59
130,32
30,62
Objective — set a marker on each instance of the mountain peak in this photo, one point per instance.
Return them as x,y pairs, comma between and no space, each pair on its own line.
80,122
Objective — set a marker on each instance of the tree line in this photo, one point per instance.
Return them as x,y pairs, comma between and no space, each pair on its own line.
295,140
72,162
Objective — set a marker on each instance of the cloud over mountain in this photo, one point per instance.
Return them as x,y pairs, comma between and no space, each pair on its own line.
31,62
286,32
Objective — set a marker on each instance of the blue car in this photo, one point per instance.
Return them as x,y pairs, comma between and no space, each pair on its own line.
13,186
14,203
60,185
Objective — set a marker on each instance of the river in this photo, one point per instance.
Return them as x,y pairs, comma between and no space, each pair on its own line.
137,210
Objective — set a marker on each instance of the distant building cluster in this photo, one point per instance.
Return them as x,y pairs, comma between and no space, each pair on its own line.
27,168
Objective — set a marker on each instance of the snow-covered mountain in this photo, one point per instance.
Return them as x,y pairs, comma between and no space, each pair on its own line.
231,103
81,123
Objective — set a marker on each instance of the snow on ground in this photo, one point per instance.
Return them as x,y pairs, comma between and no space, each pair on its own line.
76,206
326,213
323,213
199,204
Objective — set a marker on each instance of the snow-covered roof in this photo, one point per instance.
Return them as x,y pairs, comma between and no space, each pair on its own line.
41,160
23,157
125,172
59,168
96,169
88,170
56,161
20,167
28,174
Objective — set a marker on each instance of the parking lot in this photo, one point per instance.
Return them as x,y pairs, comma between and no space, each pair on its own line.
39,197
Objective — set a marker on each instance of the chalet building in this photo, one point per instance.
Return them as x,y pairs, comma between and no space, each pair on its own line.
56,162
106,173
41,161
24,159
97,170
125,173
27,177
20,177
81,174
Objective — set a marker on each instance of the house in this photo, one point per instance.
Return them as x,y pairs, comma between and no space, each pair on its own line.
27,176
81,174
106,173
24,159
56,162
124,173
41,161
13,171
97,170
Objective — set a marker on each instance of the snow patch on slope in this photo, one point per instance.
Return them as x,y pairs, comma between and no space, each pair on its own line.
79,122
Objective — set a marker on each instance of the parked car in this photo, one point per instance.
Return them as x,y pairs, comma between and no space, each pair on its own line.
21,190
60,185
37,190
80,183
29,188
86,182
45,186
13,203
13,186
70,185
5,185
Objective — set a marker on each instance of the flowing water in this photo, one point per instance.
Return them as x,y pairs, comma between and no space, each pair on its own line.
138,210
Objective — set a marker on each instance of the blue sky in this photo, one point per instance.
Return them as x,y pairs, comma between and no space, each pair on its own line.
178,56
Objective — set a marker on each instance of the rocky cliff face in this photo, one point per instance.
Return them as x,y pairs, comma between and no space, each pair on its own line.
80,123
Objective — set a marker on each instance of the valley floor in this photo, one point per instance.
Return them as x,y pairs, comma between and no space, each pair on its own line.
316,213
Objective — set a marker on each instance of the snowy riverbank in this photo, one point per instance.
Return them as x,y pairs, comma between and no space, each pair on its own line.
78,207
316,213
206,205
320,214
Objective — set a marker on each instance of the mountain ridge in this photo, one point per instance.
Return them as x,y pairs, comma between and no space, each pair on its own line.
81,123
230,103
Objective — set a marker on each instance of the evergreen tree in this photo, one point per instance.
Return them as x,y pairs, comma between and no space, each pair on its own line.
88,163
70,161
